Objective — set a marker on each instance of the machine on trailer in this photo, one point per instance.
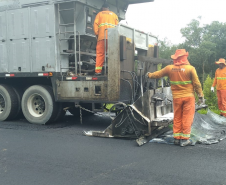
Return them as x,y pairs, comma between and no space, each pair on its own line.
146,118
47,62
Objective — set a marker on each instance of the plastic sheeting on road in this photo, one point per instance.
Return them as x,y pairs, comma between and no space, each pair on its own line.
207,129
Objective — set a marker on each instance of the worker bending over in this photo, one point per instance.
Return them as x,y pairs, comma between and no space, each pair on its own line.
220,81
105,19
183,80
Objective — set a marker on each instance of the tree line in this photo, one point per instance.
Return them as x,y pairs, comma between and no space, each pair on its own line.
205,44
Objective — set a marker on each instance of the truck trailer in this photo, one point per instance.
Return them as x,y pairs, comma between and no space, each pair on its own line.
47,60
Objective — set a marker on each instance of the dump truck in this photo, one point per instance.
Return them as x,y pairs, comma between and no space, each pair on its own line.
47,65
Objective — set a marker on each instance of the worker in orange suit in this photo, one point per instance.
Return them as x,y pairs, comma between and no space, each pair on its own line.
184,83
105,19
220,81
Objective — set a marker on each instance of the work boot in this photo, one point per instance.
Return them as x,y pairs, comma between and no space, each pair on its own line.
185,142
97,74
177,141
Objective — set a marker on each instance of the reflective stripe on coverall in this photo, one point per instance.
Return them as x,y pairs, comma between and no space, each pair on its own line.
221,96
220,81
184,110
184,80
103,20
100,55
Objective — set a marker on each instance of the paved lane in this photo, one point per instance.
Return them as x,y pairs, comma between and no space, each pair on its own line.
60,155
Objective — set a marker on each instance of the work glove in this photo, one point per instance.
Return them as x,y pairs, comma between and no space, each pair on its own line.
212,89
146,76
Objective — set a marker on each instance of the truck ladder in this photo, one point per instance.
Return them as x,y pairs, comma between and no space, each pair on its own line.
74,32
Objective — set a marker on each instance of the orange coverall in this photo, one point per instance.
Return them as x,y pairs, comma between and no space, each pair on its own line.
220,81
184,80
103,20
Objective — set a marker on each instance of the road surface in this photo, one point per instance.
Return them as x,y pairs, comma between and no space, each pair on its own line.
60,155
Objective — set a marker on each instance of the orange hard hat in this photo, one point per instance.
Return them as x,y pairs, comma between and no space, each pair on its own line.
221,61
179,53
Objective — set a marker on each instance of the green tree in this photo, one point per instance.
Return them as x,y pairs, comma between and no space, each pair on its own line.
166,48
205,44
216,33
211,98
202,47
204,53
193,34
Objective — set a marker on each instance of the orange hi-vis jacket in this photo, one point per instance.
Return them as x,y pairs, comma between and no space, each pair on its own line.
104,20
220,79
183,79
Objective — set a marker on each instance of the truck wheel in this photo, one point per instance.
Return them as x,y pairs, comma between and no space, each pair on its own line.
8,103
38,104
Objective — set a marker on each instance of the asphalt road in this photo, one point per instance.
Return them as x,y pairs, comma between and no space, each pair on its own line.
60,155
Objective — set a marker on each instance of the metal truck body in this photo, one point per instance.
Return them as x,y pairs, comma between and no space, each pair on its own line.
49,46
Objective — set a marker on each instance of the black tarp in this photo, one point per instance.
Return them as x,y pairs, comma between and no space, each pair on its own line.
207,129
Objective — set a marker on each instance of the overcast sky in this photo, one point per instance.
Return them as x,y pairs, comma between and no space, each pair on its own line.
165,18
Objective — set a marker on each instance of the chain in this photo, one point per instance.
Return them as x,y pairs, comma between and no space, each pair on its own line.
91,111
80,115
87,110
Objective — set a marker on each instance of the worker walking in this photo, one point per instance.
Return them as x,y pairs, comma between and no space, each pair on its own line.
184,81
105,19
220,81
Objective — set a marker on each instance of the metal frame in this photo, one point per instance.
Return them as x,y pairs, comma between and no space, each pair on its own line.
76,62
138,31
105,53
75,43
54,74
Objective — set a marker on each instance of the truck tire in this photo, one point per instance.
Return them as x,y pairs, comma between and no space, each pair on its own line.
38,104
8,103
19,94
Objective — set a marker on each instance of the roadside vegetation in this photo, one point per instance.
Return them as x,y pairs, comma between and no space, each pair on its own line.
205,44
